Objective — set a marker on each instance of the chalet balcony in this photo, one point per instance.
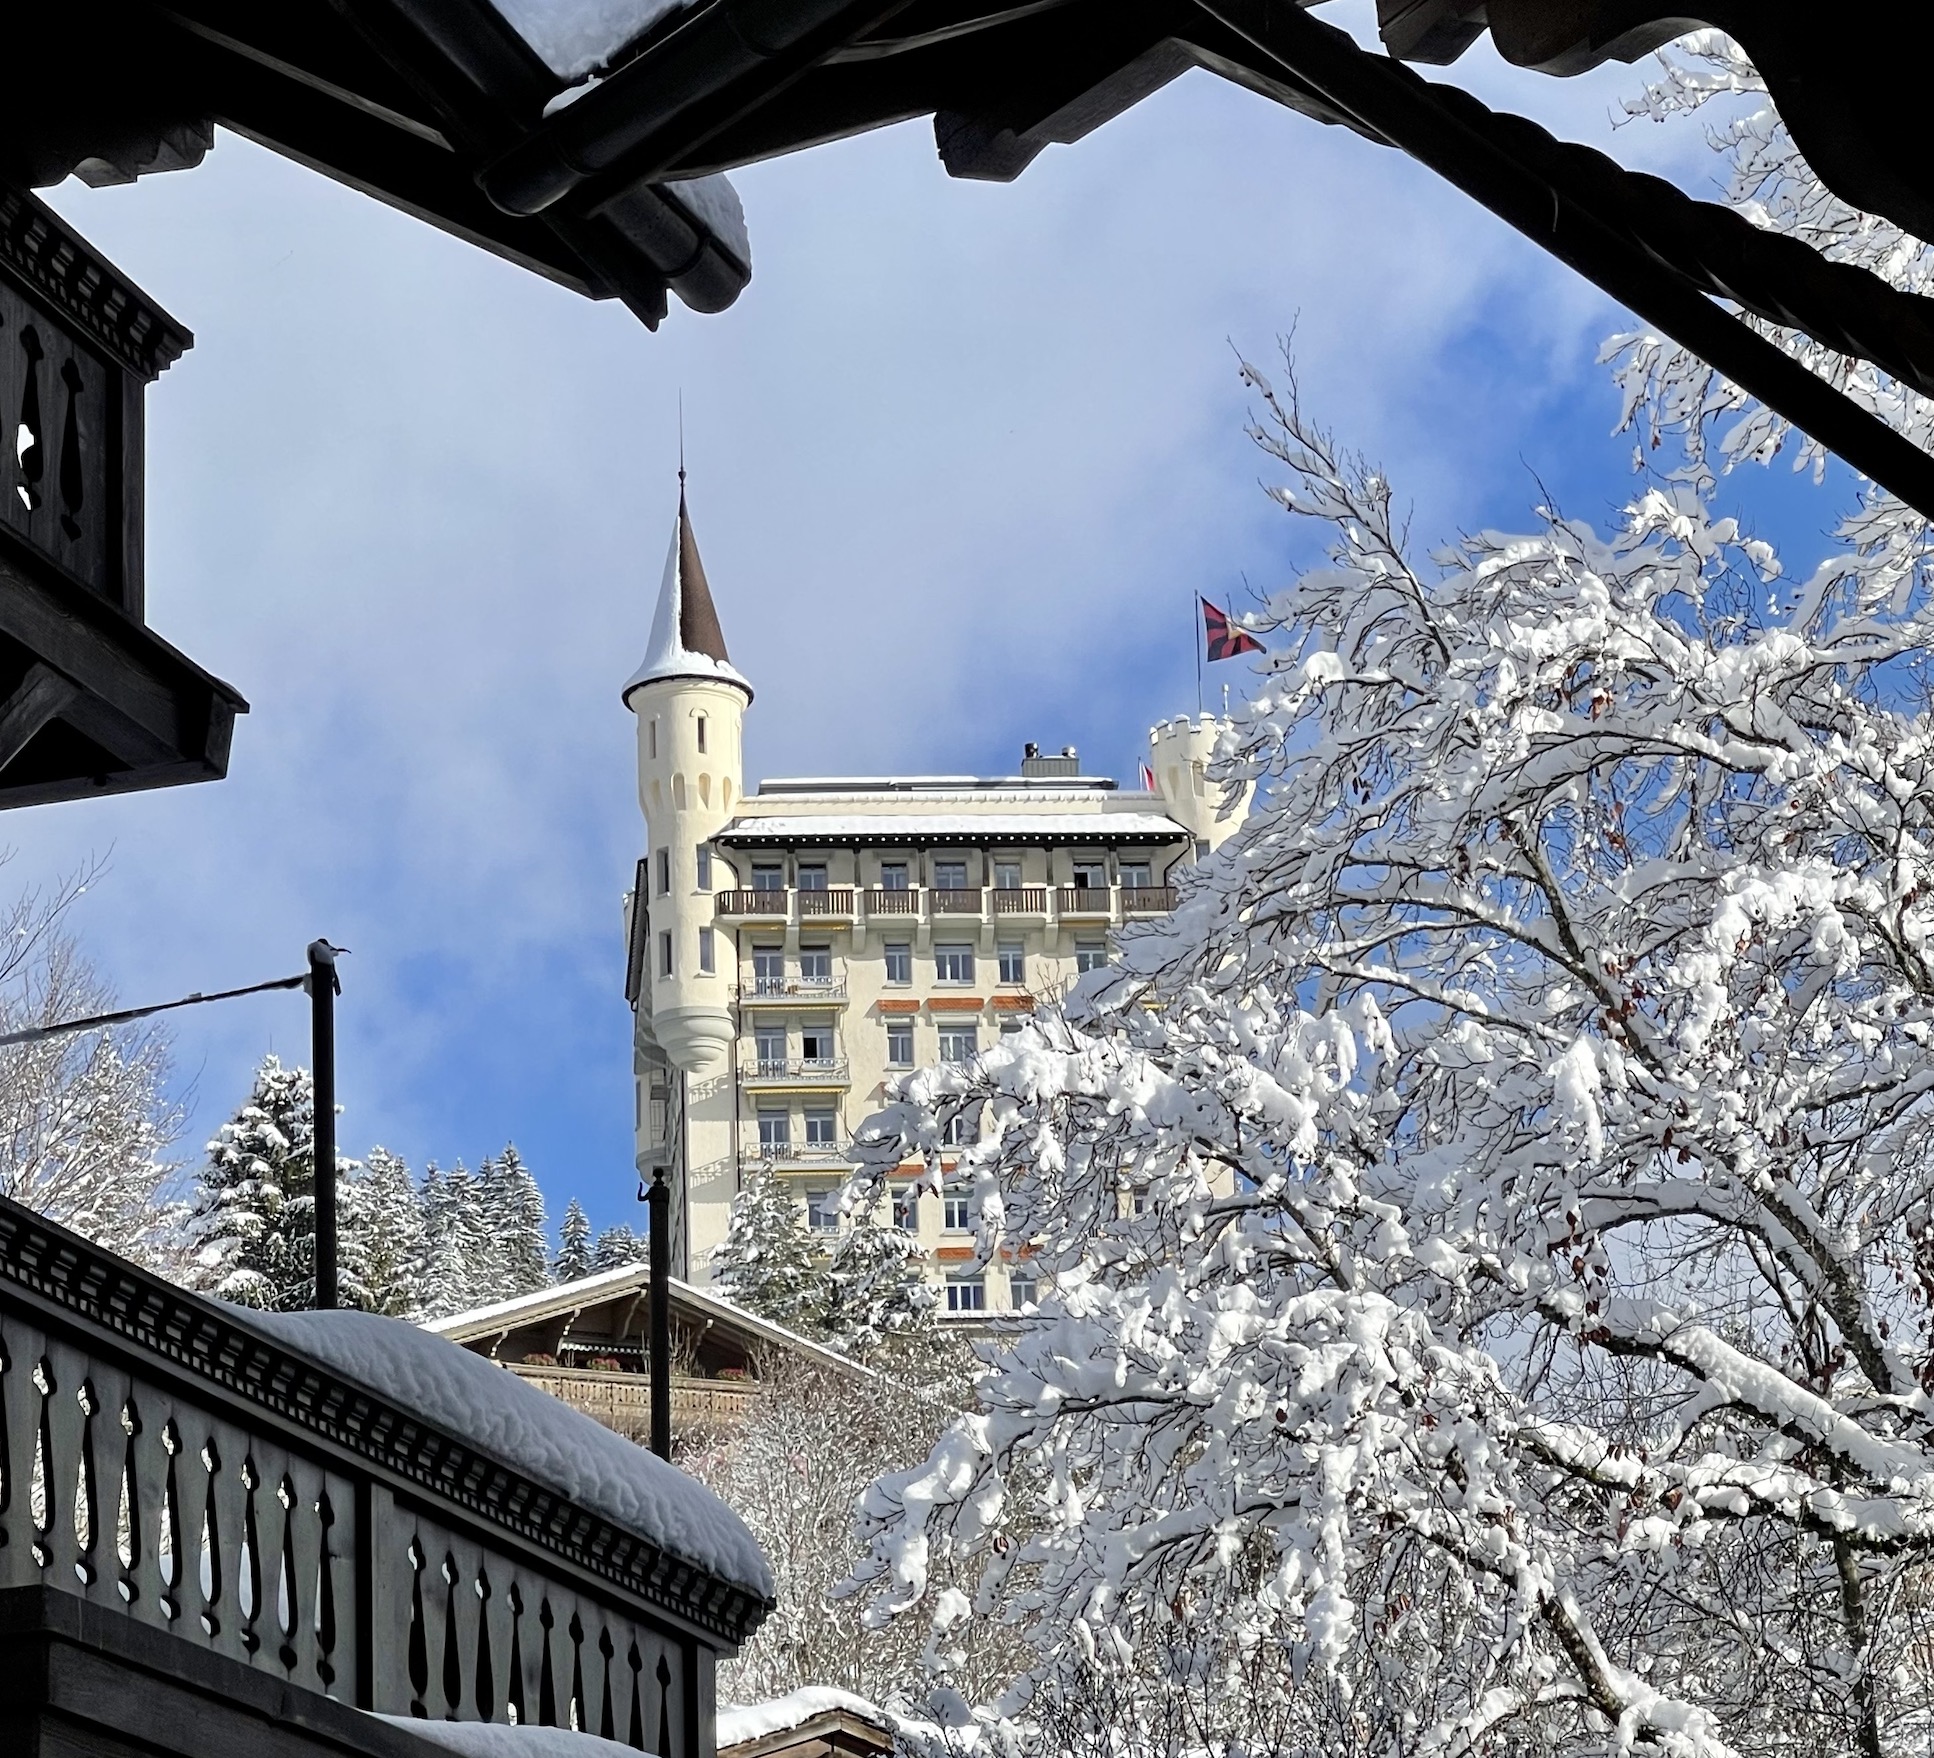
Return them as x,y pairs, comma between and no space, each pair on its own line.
234,1532
754,906
833,904
1021,900
793,1156
970,901
1084,901
620,1399
1147,900
901,902
91,701
780,992
794,1072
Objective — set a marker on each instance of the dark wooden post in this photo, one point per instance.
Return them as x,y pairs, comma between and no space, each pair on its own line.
323,986
659,1205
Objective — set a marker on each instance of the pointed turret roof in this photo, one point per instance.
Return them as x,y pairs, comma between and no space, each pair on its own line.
686,640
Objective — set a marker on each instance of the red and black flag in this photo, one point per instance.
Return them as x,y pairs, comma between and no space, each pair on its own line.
1222,638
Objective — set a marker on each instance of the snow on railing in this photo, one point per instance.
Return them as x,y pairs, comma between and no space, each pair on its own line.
170,1460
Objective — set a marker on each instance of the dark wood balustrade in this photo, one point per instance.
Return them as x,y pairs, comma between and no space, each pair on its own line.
1025,900
197,1484
1147,900
750,903
836,900
958,902
1083,900
892,903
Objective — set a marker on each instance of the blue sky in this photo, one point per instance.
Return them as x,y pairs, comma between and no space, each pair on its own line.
960,458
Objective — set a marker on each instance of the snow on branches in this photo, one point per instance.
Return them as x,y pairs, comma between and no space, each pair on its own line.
1491,1225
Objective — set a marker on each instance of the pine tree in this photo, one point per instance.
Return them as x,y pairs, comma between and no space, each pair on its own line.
573,1260
513,1212
766,1263
876,1288
618,1246
461,1251
396,1243
253,1224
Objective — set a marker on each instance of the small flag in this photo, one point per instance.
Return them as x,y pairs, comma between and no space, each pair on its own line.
1224,640
1148,779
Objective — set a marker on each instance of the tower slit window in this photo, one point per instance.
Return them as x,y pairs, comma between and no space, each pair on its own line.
701,735
707,955
664,955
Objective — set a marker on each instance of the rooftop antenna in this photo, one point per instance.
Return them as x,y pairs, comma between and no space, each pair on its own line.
681,448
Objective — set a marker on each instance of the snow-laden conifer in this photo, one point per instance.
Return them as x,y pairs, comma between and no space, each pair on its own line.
767,1263
396,1247
513,1209
573,1260
618,1246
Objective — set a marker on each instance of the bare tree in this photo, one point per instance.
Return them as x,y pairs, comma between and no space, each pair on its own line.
85,1121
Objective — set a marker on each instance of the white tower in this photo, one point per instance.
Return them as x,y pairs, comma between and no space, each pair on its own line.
690,703
1178,752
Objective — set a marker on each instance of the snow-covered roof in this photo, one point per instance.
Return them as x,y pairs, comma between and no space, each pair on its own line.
1025,786
741,1723
499,1414
563,1297
686,640
911,827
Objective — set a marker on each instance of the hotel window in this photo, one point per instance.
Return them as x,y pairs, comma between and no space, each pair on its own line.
959,1043
957,1208
966,1294
1134,875
701,733
812,878
1013,962
822,1210
950,875
769,1045
704,866
816,1043
899,962
1023,1289
893,876
815,964
768,878
1090,955
664,955
775,1131
1007,875
707,958
822,1129
769,970
906,1209
899,1043
1091,875
953,964
961,1130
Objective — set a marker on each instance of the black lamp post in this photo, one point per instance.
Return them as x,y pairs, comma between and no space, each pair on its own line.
658,1202
324,985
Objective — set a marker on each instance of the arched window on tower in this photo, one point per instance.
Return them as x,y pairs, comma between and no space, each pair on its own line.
701,734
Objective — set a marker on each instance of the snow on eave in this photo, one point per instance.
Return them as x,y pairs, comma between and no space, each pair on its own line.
743,1724
508,1315
896,827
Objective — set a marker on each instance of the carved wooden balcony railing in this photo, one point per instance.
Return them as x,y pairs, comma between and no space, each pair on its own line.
837,900
242,1517
1082,900
1147,900
751,903
959,901
885,902
90,701
1021,900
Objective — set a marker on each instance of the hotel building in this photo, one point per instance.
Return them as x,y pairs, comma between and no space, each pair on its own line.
794,948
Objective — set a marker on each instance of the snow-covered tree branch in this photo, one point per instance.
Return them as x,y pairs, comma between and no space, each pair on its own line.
1491,1225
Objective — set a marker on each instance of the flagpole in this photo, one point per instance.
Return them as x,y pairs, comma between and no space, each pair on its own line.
1195,635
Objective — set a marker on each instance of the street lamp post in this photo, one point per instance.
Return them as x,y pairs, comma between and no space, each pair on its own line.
324,985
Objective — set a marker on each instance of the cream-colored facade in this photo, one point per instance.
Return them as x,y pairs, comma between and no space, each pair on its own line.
796,947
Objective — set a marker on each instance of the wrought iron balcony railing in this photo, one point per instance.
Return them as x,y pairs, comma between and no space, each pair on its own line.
796,991
193,1479
794,1071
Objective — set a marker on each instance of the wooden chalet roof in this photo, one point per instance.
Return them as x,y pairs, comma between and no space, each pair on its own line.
624,1288
448,109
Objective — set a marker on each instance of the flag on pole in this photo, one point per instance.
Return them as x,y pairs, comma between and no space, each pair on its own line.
1148,779
1222,638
